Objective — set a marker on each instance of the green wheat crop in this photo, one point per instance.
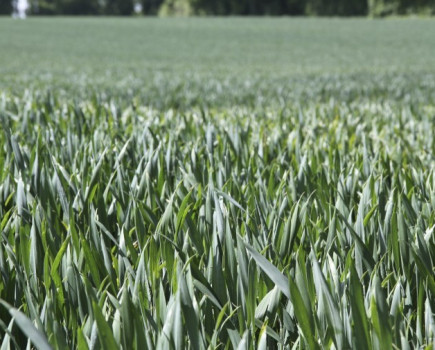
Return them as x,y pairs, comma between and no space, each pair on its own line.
215,211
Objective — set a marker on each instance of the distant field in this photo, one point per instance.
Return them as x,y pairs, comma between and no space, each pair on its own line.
221,62
280,47
217,184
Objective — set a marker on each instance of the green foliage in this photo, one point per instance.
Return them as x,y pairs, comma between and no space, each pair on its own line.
5,7
78,7
119,7
336,8
151,7
380,8
376,8
249,7
176,8
65,7
43,7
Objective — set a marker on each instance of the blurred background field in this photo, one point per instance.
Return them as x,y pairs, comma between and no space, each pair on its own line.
231,58
242,46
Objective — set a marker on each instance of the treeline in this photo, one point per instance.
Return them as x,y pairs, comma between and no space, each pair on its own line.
226,7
